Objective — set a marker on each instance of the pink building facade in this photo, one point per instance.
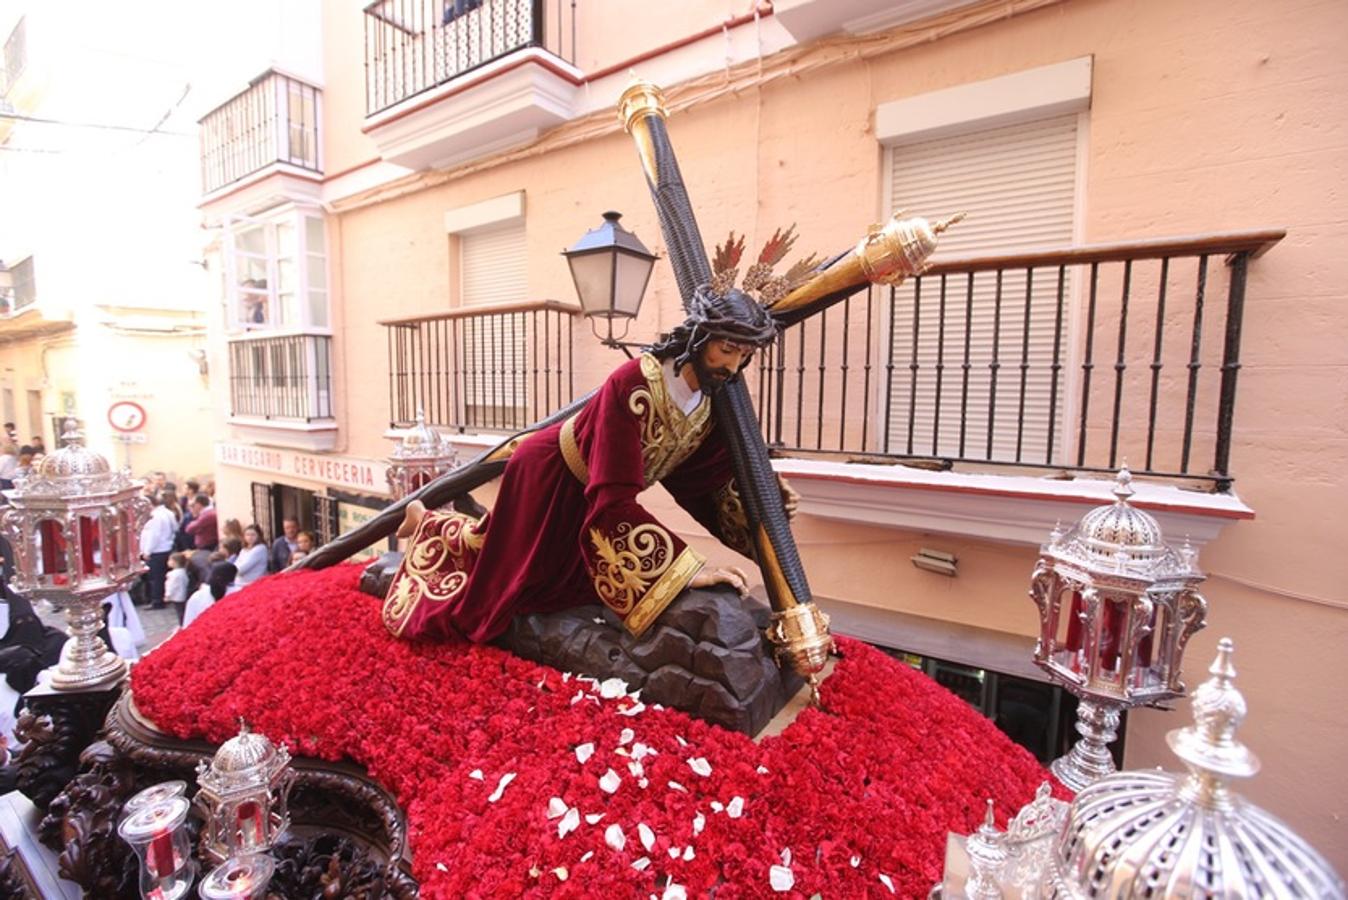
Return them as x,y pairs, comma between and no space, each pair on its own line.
1151,273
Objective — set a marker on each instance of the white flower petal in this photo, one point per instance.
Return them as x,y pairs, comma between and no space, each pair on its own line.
674,785
612,688
556,807
501,786
541,682
593,818
570,822
855,861
736,809
640,751
614,837
580,695
635,709
584,752
786,856
442,867
761,770
781,878
682,742
566,676
717,806
627,736
587,855
642,783
674,892
598,620
647,836
621,751
887,882
609,783
699,765
699,823
636,769
641,864
688,853
673,852
560,872
635,695
477,775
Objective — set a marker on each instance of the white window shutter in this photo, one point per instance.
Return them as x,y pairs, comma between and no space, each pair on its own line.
494,265
1017,184
494,346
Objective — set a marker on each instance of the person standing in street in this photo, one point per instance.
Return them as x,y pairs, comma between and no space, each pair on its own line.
252,559
156,543
203,527
285,544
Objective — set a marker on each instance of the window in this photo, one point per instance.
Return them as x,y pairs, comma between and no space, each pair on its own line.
492,267
1018,185
278,272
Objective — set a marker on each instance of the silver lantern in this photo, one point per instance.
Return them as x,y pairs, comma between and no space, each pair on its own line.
421,456
75,527
1116,607
1159,834
244,796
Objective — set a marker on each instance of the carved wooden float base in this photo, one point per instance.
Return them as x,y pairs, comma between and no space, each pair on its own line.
348,837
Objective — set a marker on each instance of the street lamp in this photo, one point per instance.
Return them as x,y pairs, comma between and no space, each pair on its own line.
611,268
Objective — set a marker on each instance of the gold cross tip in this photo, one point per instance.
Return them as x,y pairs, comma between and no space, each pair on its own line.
640,99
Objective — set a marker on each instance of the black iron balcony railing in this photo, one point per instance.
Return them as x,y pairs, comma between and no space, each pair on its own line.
415,45
495,369
274,121
1078,359
286,377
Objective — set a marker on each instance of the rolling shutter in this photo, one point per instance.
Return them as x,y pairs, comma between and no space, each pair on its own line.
1017,184
494,346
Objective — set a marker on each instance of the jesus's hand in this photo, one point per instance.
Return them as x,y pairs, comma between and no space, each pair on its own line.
727,575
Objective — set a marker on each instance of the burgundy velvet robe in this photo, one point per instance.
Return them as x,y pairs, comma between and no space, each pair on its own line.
567,528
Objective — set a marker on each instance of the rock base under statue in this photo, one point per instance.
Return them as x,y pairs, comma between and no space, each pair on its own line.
705,655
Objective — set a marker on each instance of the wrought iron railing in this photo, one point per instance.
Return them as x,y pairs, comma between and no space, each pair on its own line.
285,377
415,45
495,369
1077,359
274,120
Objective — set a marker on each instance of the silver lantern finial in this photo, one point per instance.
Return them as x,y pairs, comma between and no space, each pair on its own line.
421,455
987,857
75,525
1162,834
1117,605
244,796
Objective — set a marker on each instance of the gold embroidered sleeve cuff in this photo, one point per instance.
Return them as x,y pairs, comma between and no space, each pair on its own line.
659,595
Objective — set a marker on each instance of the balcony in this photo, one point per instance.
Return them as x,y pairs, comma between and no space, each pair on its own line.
280,389
1063,361
270,127
449,80
482,370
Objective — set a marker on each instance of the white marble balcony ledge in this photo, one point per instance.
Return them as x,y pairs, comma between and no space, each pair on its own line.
1017,509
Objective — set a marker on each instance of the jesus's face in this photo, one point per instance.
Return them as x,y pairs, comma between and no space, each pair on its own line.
718,362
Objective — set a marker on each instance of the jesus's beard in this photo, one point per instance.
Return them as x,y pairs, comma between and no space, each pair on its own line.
710,380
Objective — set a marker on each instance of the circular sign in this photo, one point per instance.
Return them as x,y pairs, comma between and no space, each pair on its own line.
126,416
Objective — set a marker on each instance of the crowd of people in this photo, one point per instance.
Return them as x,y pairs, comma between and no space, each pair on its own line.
193,558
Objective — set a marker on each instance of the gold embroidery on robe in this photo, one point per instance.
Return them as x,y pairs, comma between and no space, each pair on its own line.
668,437
435,567
675,579
731,521
625,566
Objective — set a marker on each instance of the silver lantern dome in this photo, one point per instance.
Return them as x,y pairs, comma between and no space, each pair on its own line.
1159,834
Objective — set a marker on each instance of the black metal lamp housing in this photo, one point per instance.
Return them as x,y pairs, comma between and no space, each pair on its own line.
611,268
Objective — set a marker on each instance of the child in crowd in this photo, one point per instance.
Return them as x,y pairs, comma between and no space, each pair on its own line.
175,584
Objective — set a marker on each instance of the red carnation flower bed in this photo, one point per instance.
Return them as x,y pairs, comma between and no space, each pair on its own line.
867,789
